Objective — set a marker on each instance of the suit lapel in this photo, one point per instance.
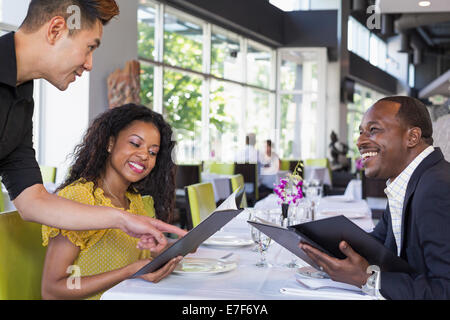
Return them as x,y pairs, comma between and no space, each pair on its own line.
428,162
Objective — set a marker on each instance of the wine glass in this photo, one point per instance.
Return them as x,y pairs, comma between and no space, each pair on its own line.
314,190
262,240
294,217
252,214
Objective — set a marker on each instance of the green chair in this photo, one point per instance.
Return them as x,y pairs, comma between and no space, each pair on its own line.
48,173
2,202
237,181
285,164
201,203
250,173
221,168
149,206
22,258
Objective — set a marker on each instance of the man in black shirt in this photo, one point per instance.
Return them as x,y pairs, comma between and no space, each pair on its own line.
48,46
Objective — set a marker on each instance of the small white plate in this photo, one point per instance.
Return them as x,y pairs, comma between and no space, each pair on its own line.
227,241
203,266
347,213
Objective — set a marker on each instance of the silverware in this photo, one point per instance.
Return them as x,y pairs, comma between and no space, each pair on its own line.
225,257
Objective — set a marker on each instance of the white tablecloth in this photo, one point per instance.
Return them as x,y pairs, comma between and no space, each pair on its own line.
245,282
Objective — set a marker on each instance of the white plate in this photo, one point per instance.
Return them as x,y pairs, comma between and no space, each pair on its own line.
227,241
347,213
203,266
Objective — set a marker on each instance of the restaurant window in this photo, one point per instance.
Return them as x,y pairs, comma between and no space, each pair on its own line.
225,125
299,112
146,31
366,44
205,80
259,65
259,115
411,75
226,55
183,111
183,41
147,79
293,5
358,39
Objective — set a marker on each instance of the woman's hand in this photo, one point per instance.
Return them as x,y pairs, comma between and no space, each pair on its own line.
148,241
159,274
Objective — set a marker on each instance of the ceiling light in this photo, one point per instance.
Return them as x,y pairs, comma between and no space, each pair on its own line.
424,3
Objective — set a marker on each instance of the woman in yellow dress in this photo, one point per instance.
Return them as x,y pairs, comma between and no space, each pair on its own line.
125,153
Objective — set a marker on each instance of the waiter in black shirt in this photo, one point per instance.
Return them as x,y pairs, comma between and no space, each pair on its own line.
49,46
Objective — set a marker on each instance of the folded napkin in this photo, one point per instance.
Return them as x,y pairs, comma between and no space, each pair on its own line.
323,288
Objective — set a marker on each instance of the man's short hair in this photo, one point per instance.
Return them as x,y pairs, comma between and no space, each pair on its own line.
413,113
41,11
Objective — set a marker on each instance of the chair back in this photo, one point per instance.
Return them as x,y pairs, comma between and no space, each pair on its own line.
2,202
373,188
149,205
237,181
221,168
48,173
187,174
22,258
250,173
201,203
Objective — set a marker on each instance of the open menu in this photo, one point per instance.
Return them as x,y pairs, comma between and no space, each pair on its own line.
205,229
326,234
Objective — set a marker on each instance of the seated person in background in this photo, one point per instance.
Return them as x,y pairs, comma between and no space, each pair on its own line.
270,160
396,144
126,151
249,154
270,165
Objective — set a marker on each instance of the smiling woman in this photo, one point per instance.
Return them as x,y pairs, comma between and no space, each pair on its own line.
125,153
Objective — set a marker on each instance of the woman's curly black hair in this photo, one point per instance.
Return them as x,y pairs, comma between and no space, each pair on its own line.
91,155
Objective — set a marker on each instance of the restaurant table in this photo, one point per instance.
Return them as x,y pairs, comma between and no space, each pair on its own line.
245,282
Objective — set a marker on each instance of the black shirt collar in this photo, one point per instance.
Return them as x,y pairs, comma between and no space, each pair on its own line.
8,64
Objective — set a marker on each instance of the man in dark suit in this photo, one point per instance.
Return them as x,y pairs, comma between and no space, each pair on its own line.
396,144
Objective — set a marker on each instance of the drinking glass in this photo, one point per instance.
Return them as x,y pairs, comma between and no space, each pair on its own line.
293,219
262,241
252,214
313,193
304,211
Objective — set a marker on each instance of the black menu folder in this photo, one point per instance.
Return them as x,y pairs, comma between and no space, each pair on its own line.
205,229
326,234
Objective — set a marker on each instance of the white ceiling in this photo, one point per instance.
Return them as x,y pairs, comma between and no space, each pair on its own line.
412,6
